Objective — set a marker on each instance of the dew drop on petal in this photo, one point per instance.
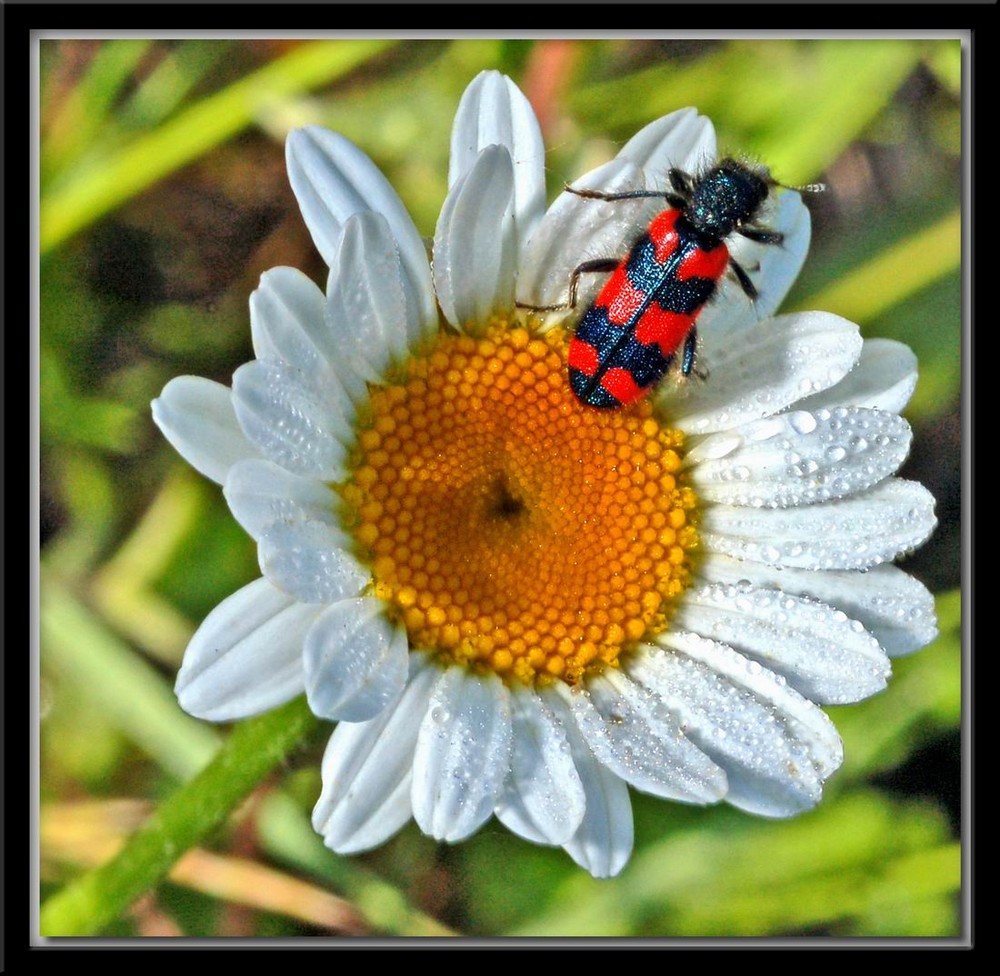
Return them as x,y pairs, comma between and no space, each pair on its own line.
802,421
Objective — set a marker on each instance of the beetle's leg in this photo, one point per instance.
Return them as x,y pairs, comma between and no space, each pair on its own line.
749,289
690,349
761,235
598,265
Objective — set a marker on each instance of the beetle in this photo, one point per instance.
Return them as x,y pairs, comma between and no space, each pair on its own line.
648,309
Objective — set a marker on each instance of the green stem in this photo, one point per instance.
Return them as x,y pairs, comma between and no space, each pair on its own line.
252,751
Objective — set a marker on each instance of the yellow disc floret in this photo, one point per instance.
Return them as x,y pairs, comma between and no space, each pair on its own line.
509,526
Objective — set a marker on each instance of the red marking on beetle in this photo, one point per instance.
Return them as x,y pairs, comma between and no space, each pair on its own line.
700,263
663,234
583,356
621,299
666,329
621,385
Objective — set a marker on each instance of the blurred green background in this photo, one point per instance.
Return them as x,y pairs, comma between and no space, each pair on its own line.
164,198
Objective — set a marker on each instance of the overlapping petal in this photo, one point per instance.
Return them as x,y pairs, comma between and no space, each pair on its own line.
312,561
262,494
896,609
368,769
603,842
800,458
883,379
246,657
368,308
287,325
851,533
822,653
494,112
630,733
804,354
289,423
544,798
475,247
197,417
776,747
355,661
333,179
462,755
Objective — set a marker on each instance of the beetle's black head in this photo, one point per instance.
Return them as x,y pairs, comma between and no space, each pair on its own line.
725,198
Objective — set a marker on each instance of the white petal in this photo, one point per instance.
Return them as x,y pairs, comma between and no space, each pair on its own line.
333,179
825,745
462,756
884,379
355,661
632,735
800,457
288,422
475,247
824,654
367,770
768,367
576,230
367,307
683,139
893,518
544,799
776,747
773,268
602,844
197,417
288,326
246,657
261,494
493,111
896,609
311,560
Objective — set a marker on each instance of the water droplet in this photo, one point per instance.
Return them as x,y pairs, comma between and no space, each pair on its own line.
802,421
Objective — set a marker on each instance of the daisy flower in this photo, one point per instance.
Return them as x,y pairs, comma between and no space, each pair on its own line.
516,605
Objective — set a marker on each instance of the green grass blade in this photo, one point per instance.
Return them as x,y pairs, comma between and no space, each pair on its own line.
126,688
166,87
894,275
740,876
801,103
83,113
104,185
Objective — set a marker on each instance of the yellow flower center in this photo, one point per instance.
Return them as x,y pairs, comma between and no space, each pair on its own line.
509,526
